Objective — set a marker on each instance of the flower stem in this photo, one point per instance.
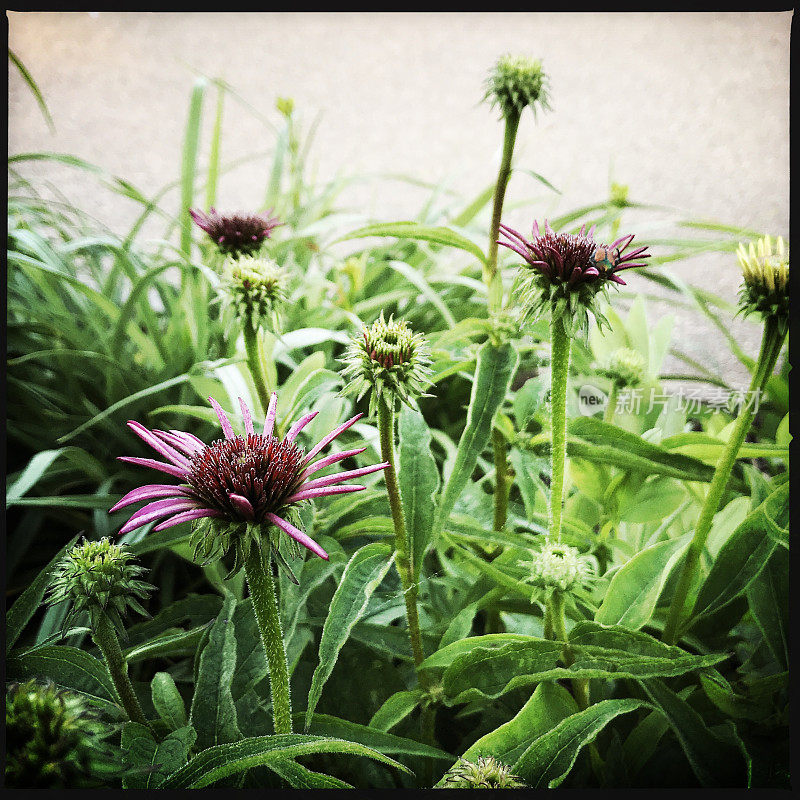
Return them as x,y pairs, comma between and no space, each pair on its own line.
254,364
105,638
611,405
402,561
502,480
560,348
265,605
771,344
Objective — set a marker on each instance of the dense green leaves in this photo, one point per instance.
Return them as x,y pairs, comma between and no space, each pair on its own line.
149,761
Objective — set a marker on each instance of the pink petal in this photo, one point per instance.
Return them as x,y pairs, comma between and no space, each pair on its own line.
187,516
243,506
322,491
331,459
338,477
618,243
299,425
269,422
189,438
153,511
150,492
170,469
187,448
248,420
160,447
223,419
331,436
297,535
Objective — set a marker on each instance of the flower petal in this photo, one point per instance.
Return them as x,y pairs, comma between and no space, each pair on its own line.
338,477
330,437
297,535
323,491
170,469
163,448
248,419
153,511
243,505
187,516
331,459
299,425
150,492
223,419
269,422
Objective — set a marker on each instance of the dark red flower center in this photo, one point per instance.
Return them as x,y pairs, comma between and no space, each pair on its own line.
263,469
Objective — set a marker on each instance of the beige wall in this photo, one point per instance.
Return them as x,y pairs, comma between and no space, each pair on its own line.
689,109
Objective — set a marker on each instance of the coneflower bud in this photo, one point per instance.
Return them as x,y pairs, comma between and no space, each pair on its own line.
255,288
559,567
765,289
487,773
391,360
99,576
236,233
624,367
51,740
517,82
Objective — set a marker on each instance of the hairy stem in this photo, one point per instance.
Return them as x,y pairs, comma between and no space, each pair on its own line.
502,480
254,364
560,348
770,348
105,638
611,405
265,606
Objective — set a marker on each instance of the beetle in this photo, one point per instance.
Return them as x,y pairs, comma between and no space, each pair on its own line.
605,258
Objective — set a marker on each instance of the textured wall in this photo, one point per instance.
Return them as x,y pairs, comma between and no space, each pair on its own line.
689,109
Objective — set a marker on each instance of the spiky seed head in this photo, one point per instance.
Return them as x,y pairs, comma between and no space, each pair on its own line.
624,367
765,289
52,741
559,567
517,82
99,576
255,288
389,359
485,773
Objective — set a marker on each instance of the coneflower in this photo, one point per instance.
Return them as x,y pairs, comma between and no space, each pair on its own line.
237,233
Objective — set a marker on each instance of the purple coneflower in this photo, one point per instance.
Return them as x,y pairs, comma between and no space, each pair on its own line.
568,270
236,233
245,481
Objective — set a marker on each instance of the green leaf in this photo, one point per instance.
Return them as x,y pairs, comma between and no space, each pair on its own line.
167,700
744,554
152,761
300,777
634,590
189,162
251,660
549,705
170,645
716,761
33,86
493,373
528,400
768,596
419,482
413,230
219,762
66,666
549,759
362,575
26,604
395,709
655,500
213,714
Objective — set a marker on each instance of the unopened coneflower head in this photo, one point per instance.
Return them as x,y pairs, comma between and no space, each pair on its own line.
99,576
517,82
52,740
389,359
559,567
486,773
236,233
765,289
236,488
255,287
566,273
624,367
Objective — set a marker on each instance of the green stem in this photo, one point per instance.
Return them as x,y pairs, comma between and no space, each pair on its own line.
265,606
105,638
254,364
502,480
771,344
490,273
560,348
611,406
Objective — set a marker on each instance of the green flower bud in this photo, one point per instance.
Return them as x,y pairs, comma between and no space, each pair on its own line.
255,288
97,576
51,740
560,567
765,289
624,367
389,359
487,773
517,82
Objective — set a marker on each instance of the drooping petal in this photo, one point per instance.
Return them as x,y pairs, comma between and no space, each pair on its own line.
160,447
243,506
299,425
156,510
618,243
338,477
297,535
269,422
248,419
150,492
188,448
189,437
330,437
187,516
323,491
223,419
170,469
331,459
